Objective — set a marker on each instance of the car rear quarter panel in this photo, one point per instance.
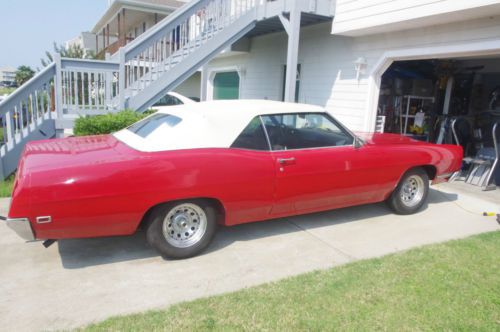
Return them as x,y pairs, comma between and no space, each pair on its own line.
112,198
445,159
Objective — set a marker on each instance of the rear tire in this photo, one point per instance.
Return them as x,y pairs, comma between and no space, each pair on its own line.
181,229
411,192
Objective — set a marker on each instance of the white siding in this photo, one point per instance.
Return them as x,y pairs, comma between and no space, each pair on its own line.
190,87
328,71
358,17
328,75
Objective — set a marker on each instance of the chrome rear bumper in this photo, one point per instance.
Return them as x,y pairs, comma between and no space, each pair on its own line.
22,227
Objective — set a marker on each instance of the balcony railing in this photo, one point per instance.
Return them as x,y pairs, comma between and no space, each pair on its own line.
113,48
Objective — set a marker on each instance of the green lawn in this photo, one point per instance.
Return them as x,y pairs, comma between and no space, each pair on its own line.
6,186
453,286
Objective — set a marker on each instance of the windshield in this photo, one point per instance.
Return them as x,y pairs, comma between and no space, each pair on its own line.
154,123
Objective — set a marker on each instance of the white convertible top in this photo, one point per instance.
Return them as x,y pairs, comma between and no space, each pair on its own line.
212,124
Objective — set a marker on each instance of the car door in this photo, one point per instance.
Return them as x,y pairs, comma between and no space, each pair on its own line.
250,158
317,164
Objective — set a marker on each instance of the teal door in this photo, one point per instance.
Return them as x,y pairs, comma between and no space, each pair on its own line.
227,85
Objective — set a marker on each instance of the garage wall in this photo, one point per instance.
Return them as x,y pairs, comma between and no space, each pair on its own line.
328,71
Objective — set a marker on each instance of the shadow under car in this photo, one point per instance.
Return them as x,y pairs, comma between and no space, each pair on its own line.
80,253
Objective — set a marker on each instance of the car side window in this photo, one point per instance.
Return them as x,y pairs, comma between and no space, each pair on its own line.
252,137
168,100
171,101
304,131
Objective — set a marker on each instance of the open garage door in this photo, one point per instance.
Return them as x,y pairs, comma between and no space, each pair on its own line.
446,101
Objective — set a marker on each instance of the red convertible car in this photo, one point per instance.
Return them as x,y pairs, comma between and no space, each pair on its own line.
186,169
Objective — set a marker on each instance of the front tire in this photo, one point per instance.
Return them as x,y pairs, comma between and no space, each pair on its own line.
411,192
181,229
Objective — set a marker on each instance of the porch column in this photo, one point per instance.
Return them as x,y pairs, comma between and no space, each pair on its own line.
107,34
119,26
204,83
124,32
103,38
292,27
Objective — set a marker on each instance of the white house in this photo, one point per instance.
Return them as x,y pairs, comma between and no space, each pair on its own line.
85,40
8,75
341,62
122,22
125,20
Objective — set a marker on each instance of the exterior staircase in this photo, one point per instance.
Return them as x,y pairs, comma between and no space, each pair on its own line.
136,76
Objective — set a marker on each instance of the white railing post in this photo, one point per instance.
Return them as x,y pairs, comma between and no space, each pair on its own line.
9,135
58,89
121,80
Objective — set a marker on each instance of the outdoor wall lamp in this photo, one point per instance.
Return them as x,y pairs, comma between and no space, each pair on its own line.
360,66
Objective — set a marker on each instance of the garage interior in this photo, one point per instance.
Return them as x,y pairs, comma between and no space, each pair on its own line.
448,101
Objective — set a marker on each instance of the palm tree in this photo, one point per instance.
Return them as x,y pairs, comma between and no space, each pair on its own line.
72,51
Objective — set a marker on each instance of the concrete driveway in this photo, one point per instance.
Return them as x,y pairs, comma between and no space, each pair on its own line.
76,282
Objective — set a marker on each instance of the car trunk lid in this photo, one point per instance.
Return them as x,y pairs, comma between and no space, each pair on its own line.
69,152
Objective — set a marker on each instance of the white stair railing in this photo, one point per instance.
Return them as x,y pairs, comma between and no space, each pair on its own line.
24,114
175,38
88,87
65,89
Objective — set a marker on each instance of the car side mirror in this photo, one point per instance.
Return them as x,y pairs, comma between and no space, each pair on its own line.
358,143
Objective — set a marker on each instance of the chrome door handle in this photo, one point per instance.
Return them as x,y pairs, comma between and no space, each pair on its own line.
286,161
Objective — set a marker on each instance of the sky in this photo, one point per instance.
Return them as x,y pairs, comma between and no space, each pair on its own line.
29,27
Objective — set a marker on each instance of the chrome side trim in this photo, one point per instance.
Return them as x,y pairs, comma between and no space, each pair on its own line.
444,176
22,227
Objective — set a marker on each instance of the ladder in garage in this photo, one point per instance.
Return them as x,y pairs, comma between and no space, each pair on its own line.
138,75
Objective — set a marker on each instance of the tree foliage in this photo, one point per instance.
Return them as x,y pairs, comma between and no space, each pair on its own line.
73,51
23,74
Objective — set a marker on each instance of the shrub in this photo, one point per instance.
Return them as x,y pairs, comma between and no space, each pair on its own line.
149,111
105,124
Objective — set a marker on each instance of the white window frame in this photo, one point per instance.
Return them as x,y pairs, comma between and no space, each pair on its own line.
214,71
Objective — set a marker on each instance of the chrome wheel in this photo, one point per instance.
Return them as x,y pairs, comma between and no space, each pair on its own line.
412,191
184,225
